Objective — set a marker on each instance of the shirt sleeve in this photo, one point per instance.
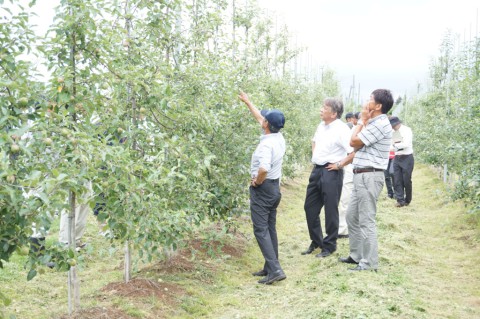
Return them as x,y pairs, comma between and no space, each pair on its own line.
407,138
345,140
370,134
265,157
315,135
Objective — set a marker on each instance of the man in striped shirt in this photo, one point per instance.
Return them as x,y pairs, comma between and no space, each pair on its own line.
371,139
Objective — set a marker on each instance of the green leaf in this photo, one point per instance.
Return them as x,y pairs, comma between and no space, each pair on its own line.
31,274
63,97
167,90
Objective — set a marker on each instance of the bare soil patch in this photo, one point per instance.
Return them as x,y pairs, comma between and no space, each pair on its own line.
141,287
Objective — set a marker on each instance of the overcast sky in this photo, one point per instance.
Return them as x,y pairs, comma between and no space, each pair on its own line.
382,43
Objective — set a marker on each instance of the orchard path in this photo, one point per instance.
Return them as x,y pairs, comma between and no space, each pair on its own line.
429,265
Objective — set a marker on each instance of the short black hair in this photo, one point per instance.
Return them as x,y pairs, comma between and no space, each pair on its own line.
273,129
384,97
349,115
357,115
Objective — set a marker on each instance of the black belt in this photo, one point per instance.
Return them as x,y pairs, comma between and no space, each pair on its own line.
322,166
366,170
272,180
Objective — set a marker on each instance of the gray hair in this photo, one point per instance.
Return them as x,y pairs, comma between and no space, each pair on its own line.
336,105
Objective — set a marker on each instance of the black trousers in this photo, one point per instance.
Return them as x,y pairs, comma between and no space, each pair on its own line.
389,178
402,178
324,190
264,200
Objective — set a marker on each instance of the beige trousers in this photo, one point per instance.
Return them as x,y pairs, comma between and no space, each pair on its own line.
345,199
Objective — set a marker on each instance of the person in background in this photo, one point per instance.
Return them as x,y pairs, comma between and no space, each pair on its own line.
350,118
371,139
402,142
330,145
266,170
81,213
356,118
389,174
345,198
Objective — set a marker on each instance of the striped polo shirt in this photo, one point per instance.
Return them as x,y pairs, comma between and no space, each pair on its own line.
377,137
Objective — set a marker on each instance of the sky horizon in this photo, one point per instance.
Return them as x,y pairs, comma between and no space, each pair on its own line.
369,43
383,44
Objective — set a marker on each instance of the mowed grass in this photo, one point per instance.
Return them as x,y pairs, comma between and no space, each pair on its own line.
429,265
429,268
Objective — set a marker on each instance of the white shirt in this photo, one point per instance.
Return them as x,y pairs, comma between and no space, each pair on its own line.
332,142
269,155
402,140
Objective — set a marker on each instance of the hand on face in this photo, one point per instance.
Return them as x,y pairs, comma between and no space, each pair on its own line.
366,112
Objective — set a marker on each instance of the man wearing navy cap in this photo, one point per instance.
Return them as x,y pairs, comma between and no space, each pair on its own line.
265,172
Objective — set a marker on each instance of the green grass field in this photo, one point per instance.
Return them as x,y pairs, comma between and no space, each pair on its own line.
429,268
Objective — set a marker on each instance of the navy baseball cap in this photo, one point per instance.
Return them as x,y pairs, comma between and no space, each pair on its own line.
274,117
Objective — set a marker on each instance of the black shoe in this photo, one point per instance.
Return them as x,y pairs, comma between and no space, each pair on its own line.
343,236
324,253
348,260
390,196
278,275
310,249
260,273
399,204
360,268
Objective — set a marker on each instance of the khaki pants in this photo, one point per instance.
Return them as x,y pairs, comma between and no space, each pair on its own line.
361,215
345,199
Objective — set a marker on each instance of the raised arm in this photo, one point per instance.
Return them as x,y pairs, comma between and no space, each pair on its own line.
255,112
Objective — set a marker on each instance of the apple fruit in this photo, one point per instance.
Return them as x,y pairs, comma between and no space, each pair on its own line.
79,107
47,141
11,179
22,102
23,251
14,148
